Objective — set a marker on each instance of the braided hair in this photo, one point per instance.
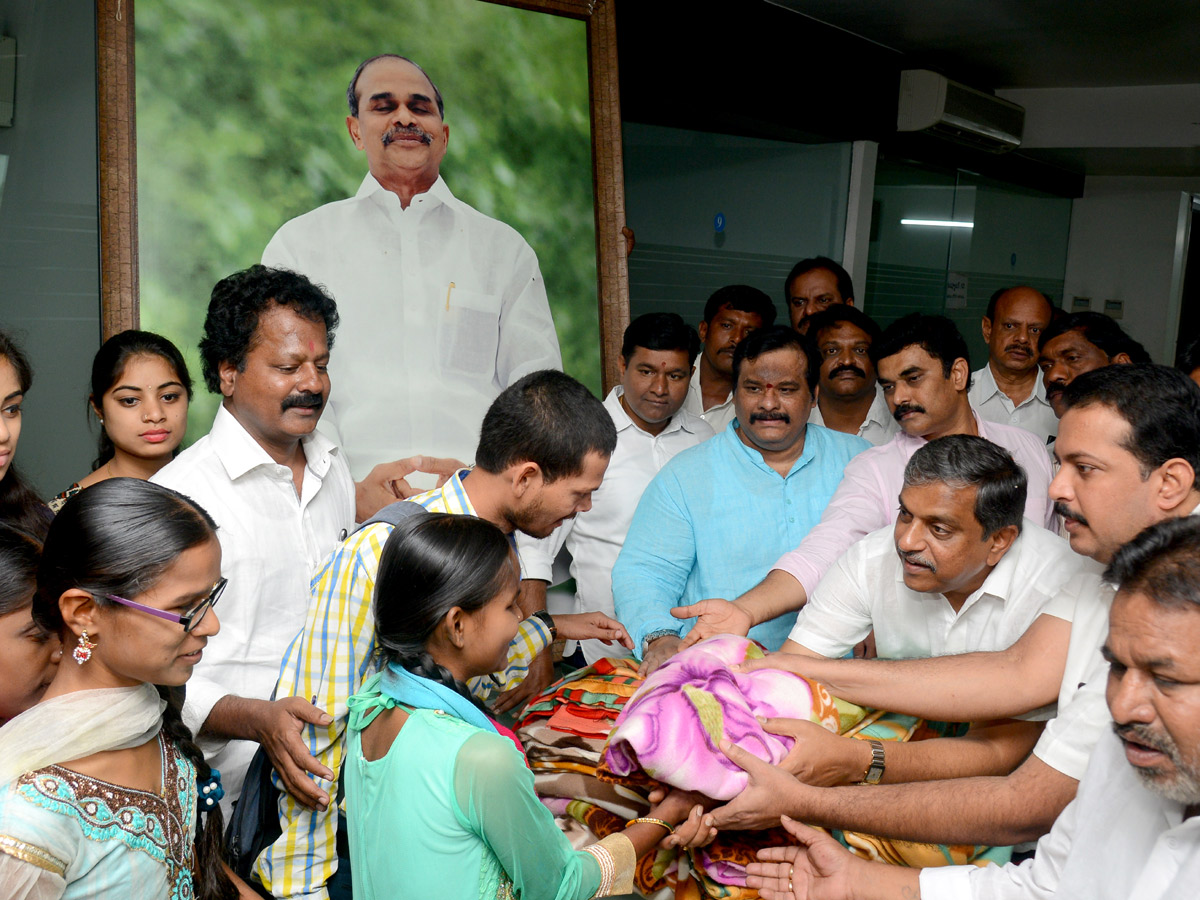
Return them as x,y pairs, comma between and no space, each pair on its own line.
120,536
431,564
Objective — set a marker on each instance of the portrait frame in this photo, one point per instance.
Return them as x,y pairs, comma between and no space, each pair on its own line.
117,142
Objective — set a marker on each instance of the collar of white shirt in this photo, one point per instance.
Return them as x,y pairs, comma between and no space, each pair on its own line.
681,421
985,384
239,453
439,192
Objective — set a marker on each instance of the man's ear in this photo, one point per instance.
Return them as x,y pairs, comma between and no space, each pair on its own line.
985,325
1000,541
524,477
849,301
960,374
227,374
1121,358
352,127
702,330
79,612
1177,481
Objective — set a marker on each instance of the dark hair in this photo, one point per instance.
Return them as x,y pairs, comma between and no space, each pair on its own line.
1188,360
1162,563
429,565
777,337
352,90
844,285
963,460
1161,405
843,312
1098,329
109,363
660,331
990,315
546,418
743,298
936,335
19,503
119,537
19,555
236,305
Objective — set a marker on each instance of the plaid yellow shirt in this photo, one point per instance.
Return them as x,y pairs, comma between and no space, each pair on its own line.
327,663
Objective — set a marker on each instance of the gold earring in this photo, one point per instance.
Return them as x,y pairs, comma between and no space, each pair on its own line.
83,652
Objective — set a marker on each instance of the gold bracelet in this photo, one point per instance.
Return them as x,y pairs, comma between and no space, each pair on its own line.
650,821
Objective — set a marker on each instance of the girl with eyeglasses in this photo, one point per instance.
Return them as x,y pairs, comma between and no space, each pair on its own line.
103,790
438,802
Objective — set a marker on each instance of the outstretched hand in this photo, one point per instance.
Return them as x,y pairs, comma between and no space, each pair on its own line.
818,756
762,802
592,626
539,677
819,868
714,616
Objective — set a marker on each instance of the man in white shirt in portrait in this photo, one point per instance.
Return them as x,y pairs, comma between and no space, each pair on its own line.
657,357
1009,390
282,497
442,307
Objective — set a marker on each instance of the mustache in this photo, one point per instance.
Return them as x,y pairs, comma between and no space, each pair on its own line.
393,134
905,408
848,367
1140,733
1067,513
770,417
303,400
916,559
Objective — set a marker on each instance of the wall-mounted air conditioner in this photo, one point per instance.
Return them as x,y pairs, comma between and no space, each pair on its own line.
933,103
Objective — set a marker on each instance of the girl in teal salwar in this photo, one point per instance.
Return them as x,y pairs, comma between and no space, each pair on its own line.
439,804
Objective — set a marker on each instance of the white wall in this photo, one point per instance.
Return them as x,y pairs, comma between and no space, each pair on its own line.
1125,245
49,245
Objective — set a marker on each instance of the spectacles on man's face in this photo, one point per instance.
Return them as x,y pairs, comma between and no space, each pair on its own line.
190,619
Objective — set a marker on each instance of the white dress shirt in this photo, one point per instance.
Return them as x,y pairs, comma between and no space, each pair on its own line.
1115,841
594,538
441,309
717,416
879,427
271,544
1033,413
865,589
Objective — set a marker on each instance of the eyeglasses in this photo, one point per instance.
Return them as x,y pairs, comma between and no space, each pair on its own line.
189,619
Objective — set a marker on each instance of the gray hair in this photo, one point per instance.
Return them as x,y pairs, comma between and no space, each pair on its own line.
962,460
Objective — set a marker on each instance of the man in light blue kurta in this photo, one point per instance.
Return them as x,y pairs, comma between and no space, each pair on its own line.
709,522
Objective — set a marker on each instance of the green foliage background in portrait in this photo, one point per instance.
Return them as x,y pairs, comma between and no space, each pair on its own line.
241,126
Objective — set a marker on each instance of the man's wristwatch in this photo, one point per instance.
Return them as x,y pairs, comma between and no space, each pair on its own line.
875,769
654,636
548,621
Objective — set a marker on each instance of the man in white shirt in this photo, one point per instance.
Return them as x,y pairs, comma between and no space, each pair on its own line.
848,394
442,307
960,571
1008,390
731,313
1133,832
657,358
1129,448
282,497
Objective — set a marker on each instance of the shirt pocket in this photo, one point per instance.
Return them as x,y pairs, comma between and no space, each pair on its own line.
469,332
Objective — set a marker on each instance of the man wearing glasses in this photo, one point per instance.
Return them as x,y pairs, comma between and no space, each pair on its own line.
281,495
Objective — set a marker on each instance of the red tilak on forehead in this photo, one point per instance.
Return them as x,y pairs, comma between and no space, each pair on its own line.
768,385
312,346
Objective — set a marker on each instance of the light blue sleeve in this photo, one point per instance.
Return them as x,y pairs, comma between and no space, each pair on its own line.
493,790
653,567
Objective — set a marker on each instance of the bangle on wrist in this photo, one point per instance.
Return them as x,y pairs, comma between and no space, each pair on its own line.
650,820
655,635
875,769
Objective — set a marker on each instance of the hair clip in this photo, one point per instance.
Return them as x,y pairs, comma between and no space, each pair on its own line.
209,791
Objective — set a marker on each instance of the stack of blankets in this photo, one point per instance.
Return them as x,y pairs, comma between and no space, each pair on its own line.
600,739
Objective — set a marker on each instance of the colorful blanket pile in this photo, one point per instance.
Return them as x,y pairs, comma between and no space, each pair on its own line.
601,738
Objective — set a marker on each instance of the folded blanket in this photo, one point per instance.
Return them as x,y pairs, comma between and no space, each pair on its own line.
671,727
